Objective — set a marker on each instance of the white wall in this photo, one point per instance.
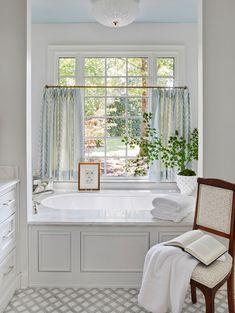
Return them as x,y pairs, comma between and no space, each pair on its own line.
95,34
13,100
219,84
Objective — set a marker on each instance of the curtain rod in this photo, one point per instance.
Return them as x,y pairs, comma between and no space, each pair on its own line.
119,87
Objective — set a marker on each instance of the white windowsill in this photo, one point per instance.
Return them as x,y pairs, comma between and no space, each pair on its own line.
120,184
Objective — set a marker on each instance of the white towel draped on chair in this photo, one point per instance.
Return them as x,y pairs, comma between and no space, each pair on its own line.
166,277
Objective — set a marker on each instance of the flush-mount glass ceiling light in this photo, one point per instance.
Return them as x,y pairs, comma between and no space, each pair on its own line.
115,13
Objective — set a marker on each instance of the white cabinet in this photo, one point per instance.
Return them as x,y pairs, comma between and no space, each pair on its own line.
7,236
7,271
7,203
9,277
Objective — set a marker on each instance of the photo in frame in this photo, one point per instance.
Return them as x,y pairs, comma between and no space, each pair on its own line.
88,176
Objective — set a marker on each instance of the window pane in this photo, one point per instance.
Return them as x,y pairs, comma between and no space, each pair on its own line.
67,81
94,81
116,127
116,106
94,106
94,127
137,81
165,82
116,66
134,127
165,66
137,106
116,81
67,66
115,167
138,92
115,147
94,66
116,92
137,67
94,147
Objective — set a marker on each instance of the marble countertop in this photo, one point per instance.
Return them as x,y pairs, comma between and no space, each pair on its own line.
57,219
7,183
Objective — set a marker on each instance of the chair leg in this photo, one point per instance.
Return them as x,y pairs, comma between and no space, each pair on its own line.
230,292
210,300
193,294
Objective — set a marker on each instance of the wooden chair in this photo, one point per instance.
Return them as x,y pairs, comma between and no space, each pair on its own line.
215,213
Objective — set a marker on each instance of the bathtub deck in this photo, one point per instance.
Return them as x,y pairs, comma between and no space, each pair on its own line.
55,219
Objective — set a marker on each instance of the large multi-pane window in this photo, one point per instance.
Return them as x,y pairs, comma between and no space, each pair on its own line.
112,113
115,112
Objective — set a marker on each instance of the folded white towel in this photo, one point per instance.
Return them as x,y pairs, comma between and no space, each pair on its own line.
171,216
172,199
172,207
166,204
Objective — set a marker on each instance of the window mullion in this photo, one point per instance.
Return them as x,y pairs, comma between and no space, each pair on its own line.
105,119
126,113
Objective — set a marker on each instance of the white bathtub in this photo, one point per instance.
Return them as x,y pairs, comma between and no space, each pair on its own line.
110,204
101,204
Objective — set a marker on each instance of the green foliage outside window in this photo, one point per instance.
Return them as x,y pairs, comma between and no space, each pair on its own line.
114,113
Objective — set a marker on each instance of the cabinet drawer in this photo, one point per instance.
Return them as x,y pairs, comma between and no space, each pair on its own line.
7,236
7,270
7,204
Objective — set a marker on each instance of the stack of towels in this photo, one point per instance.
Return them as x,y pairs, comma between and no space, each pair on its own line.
172,207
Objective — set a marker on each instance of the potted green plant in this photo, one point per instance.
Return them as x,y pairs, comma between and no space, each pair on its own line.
176,153
179,153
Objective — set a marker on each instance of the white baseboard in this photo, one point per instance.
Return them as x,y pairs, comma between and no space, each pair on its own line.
61,285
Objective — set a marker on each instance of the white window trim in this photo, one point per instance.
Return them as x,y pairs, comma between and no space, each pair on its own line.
176,51
150,51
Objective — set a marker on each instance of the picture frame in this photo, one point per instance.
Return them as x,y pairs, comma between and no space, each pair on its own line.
88,176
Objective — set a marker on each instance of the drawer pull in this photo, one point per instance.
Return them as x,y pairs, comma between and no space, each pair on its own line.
9,202
10,269
11,232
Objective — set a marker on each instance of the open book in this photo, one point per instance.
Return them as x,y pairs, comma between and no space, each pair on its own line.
203,247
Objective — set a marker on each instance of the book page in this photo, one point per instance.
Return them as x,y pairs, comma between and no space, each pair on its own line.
186,239
206,249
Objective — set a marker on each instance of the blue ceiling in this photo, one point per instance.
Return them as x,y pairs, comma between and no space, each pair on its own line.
80,11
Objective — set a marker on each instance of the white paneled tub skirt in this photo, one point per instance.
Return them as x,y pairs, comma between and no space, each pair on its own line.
95,239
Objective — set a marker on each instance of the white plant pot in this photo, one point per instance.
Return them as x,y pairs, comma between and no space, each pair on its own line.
186,184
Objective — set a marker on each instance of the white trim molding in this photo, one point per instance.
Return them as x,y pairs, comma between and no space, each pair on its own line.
151,51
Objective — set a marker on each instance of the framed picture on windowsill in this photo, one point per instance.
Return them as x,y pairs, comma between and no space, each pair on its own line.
88,176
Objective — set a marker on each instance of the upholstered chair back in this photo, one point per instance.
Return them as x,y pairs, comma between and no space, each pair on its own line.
214,208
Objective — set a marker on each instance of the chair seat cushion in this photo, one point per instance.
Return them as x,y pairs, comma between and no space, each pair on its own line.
211,275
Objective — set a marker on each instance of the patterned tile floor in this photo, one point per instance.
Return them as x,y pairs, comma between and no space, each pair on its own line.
72,300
